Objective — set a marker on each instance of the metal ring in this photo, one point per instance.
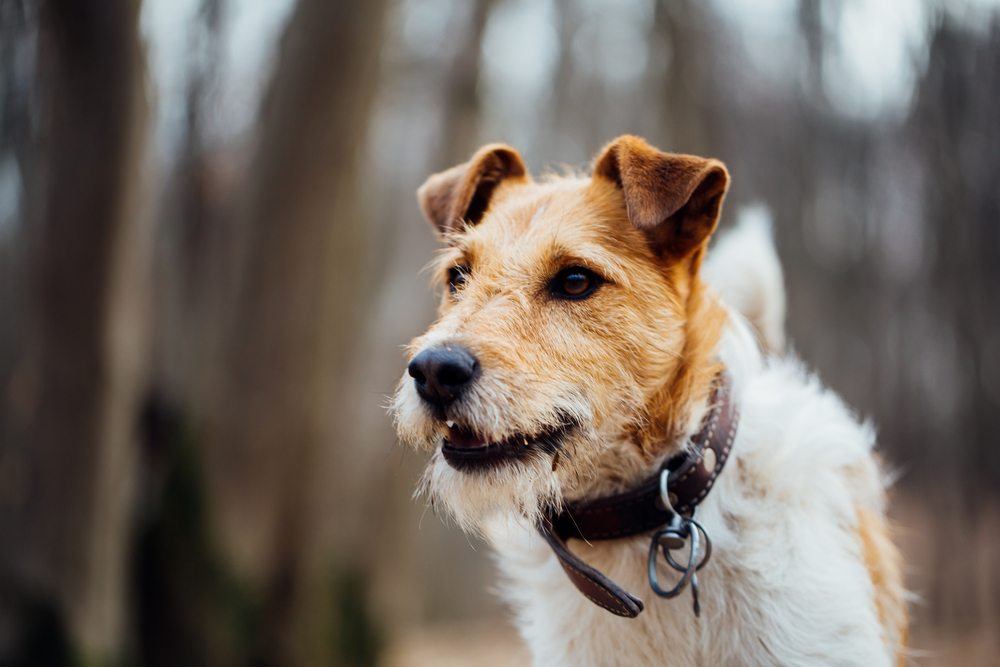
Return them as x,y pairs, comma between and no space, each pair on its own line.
688,571
708,548
665,492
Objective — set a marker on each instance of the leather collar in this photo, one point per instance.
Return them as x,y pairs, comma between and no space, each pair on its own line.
691,476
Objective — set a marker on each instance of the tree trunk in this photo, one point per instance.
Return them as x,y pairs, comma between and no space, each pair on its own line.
66,534
461,100
301,300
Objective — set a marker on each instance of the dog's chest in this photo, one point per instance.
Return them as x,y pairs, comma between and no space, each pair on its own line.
786,584
562,627
767,598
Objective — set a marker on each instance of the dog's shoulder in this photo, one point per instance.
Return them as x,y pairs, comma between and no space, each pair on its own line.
808,490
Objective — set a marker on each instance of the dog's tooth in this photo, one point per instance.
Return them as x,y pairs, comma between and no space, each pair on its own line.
450,423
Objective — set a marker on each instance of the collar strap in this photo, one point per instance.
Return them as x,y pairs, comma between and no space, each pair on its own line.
692,475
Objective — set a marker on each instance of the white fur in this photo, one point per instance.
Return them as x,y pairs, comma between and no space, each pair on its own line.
744,268
786,584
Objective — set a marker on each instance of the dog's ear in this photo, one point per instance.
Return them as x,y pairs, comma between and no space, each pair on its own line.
675,199
462,193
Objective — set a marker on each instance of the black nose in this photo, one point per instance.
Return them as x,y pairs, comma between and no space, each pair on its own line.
442,373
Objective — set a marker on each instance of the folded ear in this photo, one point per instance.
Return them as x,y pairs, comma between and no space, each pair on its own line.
675,199
462,193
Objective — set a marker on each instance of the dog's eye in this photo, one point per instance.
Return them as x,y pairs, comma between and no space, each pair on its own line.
457,275
575,282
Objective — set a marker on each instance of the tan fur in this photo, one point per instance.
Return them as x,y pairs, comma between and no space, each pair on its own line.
884,566
464,191
652,322
687,190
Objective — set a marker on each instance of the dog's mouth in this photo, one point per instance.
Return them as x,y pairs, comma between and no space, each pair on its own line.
464,450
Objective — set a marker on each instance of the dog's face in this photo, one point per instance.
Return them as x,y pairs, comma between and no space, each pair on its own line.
564,324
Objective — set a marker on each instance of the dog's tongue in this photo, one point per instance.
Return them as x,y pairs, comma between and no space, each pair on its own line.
461,438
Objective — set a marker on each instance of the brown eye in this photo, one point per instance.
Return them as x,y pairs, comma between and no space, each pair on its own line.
575,282
457,276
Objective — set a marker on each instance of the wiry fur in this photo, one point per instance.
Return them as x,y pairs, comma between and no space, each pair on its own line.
803,571
788,582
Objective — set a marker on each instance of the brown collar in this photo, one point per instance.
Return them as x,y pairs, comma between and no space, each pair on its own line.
691,476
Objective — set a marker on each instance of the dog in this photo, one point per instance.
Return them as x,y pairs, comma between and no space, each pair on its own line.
586,351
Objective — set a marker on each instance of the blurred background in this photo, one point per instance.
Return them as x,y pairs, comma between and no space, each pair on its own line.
210,253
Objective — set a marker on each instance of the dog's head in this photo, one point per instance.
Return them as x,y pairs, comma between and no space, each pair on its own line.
571,331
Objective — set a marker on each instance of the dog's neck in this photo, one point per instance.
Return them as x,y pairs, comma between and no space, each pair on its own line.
675,408
665,502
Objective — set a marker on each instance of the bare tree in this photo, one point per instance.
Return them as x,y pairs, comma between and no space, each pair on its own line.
191,237
462,101
297,312
81,375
